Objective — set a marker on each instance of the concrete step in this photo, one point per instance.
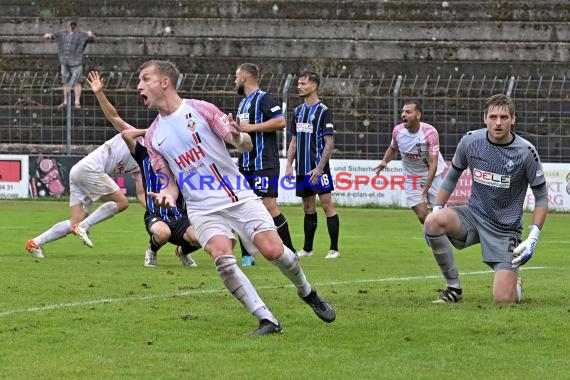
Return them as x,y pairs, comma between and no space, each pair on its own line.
344,67
420,10
279,29
254,48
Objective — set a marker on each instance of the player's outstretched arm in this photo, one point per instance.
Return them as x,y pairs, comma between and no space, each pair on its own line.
141,193
96,83
431,173
291,153
388,156
318,171
130,137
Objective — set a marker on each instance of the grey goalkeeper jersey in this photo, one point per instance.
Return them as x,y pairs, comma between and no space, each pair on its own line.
501,175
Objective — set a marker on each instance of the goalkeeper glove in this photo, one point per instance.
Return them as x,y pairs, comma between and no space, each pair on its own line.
524,251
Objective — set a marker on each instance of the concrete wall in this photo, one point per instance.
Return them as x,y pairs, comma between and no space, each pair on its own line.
335,37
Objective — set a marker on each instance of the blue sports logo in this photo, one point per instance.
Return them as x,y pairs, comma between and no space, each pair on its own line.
162,181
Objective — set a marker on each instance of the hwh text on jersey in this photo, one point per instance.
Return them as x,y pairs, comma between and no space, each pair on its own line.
190,156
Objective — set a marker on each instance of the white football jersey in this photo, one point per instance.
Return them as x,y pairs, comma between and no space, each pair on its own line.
112,158
190,142
416,148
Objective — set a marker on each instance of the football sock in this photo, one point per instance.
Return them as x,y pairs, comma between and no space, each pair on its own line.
154,246
244,251
333,225
241,288
310,227
57,231
188,248
283,231
103,212
441,248
288,263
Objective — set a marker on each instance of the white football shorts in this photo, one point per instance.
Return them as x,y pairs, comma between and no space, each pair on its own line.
86,186
414,189
247,219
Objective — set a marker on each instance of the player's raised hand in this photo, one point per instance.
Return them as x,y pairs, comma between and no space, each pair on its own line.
242,141
94,80
234,123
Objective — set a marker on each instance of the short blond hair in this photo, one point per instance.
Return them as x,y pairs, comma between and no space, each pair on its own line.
167,68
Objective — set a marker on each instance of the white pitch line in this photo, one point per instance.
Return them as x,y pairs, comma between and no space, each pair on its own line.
36,309
542,241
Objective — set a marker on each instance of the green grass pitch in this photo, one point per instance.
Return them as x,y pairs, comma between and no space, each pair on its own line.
100,314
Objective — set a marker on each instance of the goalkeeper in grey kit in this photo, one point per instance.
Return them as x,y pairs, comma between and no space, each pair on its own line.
502,166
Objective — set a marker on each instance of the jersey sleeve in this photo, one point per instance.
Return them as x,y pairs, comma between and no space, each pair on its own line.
270,108
327,120
460,157
140,154
533,168
216,119
157,161
394,141
432,141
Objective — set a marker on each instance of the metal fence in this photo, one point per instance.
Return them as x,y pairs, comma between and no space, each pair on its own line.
365,110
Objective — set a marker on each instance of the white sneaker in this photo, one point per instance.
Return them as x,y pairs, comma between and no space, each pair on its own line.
332,254
187,259
34,249
303,253
82,234
150,258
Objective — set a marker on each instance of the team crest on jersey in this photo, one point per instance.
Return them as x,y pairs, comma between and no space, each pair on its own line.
191,123
120,167
510,166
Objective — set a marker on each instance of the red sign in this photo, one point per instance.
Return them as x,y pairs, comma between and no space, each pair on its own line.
10,170
462,191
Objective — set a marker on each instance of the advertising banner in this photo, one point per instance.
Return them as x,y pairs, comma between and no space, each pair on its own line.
356,184
13,176
49,177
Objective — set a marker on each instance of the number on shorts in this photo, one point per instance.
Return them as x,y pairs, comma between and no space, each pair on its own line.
513,243
261,183
325,180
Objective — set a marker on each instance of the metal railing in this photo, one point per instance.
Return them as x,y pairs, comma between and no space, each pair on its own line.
365,109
